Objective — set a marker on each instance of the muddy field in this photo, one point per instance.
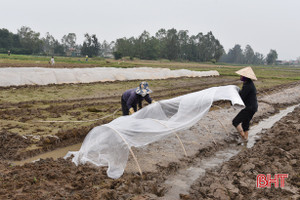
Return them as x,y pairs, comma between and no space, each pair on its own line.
277,152
23,134
24,111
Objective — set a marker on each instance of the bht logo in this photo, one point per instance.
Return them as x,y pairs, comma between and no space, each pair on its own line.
263,181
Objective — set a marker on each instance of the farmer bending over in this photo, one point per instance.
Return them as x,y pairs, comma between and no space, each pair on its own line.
135,96
248,95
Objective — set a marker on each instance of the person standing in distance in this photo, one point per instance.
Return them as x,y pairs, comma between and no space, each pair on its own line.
52,60
248,95
133,97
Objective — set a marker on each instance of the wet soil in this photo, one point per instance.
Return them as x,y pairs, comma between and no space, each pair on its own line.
26,118
277,152
61,179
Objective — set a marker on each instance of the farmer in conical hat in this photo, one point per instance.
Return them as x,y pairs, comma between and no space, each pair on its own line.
248,95
133,97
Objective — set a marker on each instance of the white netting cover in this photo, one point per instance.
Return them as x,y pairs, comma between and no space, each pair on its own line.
42,76
107,145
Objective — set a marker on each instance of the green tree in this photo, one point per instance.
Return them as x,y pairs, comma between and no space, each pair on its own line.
6,40
106,49
58,48
125,47
203,48
9,41
200,45
141,45
146,47
69,41
258,59
183,38
48,44
249,55
151,48
218,51
211,49
30,40
161,36
172,44
235,55
91,45
206,47
272,57
95,45
192,51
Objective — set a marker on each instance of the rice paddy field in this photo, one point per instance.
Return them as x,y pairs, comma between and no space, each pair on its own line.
31,124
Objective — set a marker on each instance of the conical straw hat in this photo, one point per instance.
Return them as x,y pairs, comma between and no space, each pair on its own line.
247,72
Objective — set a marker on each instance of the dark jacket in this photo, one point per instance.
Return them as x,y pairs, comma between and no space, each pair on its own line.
248,95
132,99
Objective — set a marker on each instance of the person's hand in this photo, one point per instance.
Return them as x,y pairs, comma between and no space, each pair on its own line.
131,111
153,101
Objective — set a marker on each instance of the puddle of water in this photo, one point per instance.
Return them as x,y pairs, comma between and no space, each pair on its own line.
181,182
266,124
58,153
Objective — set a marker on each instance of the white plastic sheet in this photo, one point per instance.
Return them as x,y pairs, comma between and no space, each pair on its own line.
107,145
13,76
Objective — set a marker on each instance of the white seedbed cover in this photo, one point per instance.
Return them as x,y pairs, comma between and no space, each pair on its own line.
13,76
108,145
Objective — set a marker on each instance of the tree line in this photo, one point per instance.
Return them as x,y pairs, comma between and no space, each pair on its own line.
166,44
27,41
237,55
172,45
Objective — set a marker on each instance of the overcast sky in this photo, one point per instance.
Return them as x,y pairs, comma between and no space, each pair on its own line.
263,24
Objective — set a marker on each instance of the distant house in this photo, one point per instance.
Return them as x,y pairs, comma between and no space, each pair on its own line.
73,52
108,55
286,62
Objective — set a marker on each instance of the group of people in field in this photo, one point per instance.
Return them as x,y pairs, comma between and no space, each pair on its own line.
132,99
